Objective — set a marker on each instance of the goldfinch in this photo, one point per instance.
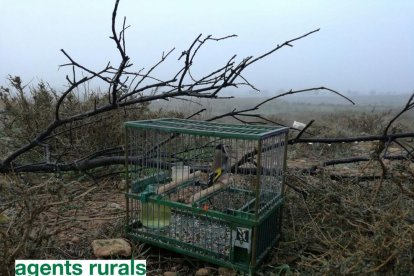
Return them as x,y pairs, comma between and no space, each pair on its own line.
219,164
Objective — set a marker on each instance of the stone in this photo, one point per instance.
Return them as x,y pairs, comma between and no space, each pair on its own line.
114,205
111,247
170,273
202,272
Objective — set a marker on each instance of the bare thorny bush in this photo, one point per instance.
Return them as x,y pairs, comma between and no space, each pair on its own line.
29,110
30,221
78,130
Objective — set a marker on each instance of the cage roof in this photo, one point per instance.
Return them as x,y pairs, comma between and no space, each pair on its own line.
203,128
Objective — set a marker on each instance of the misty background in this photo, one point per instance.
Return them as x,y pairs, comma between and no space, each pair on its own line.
363,47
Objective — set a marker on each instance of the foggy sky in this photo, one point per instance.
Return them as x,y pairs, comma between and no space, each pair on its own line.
362,45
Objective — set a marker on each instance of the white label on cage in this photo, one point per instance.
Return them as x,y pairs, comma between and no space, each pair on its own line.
242,238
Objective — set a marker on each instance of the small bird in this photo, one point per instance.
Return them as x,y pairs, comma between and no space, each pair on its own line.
219,164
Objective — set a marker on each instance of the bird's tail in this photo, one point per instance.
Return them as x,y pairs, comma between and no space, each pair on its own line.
214,176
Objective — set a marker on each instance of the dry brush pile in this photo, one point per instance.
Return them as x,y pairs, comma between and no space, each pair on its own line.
339,227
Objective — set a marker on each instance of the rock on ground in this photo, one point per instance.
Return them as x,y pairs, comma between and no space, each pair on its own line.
202,272
111,247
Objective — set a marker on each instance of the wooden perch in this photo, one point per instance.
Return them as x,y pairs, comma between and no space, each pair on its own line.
176,182
221,183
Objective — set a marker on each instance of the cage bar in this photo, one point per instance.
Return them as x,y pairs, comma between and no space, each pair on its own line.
172,203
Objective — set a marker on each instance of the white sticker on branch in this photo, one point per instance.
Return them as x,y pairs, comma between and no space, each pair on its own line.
298,125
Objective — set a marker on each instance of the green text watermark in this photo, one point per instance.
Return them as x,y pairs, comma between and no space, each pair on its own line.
80,267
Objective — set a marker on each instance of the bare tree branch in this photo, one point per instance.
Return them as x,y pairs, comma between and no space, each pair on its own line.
408,106
126,88
352,139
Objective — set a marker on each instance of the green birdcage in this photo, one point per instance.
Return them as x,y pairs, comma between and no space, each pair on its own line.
178,198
